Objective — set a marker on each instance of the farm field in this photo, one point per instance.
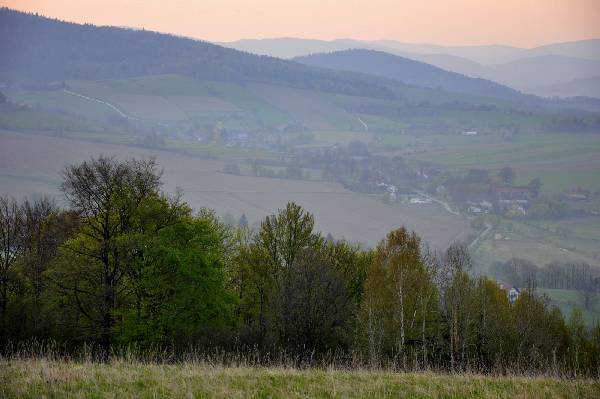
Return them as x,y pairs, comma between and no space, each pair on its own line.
541,243
30,164
165,98
333,137
53,379
561,161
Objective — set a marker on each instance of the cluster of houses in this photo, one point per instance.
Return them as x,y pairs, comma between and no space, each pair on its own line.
513,200
509,200
394,195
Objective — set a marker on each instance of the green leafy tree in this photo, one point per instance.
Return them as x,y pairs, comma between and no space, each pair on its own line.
107,195
179,285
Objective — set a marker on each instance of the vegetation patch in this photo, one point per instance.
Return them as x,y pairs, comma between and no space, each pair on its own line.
55,379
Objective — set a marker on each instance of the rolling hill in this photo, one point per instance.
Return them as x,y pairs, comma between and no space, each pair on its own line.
407,71
519,68
183,85
589,87
544,70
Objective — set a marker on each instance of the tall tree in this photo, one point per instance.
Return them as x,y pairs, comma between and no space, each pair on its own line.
392,312
108,194
11,244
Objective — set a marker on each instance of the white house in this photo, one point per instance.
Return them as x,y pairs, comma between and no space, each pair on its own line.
513,294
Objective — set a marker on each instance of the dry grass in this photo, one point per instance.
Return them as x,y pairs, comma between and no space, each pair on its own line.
55,379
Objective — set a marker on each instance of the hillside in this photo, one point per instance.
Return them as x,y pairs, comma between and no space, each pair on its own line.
37,50
587,87
407,71
159,80
520,68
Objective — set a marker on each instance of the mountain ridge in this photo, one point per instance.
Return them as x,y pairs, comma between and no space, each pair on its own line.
406,70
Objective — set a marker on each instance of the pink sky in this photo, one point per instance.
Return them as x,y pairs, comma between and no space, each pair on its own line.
524,23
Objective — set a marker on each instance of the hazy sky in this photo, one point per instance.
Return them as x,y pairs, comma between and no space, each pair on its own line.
524,23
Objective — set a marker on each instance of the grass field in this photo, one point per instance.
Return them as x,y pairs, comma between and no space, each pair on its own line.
562,161
50,379
176,98
333,137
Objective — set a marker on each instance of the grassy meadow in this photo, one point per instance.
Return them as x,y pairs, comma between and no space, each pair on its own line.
59,379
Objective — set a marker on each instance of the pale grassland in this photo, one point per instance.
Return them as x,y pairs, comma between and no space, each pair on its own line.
52,379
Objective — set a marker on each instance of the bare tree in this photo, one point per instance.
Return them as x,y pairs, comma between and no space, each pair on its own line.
11,230
107,195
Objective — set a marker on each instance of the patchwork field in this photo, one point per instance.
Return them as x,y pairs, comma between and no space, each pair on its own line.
176,98
30,164
52,379
314,110
561,161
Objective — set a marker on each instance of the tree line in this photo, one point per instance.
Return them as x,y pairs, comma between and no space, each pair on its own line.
125,264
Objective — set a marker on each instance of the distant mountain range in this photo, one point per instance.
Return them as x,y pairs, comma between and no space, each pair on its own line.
362,90
35,49
407,71
523,69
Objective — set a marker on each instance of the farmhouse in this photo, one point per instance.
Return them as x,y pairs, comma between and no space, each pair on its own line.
512,293
577,194
513,198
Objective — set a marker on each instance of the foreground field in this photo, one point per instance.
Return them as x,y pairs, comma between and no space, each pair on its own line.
36,379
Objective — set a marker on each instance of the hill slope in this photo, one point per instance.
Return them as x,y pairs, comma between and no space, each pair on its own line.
589,87
37,49
544,70
240,90
407,71
518,68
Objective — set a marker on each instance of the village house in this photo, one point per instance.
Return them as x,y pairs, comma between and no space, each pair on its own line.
577,194
513,199
512,293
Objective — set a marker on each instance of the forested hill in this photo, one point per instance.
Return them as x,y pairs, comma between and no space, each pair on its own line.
408,71
35,49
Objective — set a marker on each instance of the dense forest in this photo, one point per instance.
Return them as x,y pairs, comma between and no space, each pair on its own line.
127,266
37,50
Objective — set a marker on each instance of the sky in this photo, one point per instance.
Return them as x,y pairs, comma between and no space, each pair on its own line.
521,23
